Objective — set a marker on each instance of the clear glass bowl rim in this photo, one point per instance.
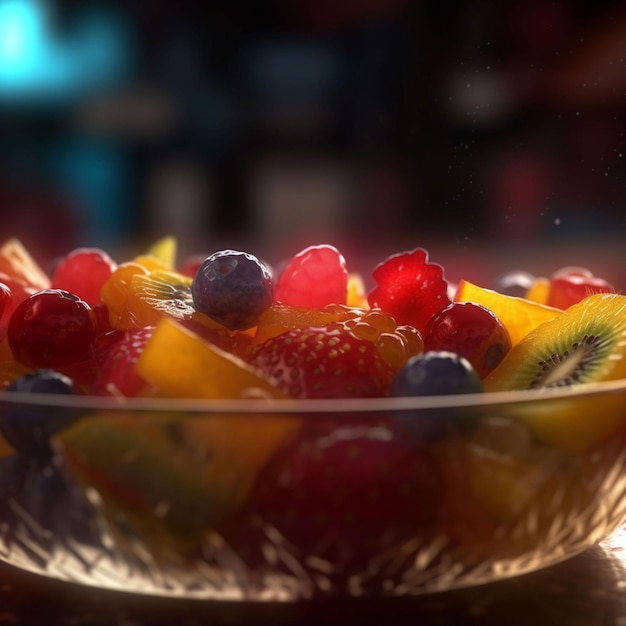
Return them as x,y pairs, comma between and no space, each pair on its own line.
329,406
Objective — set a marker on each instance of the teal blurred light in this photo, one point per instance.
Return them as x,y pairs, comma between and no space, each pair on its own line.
36,64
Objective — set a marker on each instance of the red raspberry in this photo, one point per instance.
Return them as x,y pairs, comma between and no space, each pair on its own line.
83,272
409,288
313,278
324,363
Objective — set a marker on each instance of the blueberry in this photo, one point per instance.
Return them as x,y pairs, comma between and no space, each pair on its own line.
28,427
233,288
436,373
41,510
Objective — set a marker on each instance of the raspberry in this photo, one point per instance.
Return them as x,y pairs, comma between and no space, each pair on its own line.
313,278
83,272
409,288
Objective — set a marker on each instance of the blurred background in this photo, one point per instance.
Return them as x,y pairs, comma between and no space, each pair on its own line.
460,126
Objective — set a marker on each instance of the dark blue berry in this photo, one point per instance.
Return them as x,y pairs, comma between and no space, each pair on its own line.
28,427
32,492
436,373
233,288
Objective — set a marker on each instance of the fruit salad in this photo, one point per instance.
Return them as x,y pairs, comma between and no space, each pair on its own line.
311,331
352,490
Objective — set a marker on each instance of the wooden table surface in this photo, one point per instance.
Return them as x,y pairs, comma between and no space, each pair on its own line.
587,590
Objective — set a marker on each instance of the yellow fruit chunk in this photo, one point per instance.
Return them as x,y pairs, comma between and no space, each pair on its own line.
539,291
175,477
357,296
585,344
519,315
17,262
164,250
151,263
181,364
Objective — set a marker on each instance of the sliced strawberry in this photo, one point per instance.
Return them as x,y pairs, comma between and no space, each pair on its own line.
314,277
349,497
410,288
117,375
324,363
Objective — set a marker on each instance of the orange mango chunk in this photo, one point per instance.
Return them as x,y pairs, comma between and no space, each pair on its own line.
204,466
357,295
179,363
519,315
539,291
17,262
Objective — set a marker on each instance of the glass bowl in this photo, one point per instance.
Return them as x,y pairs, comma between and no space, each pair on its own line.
259,500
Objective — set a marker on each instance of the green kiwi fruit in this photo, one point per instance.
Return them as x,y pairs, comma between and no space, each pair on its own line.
587,343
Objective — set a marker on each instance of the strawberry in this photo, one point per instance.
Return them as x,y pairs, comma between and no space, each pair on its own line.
349,495
323,363
85,373
117,375
314,277
410,288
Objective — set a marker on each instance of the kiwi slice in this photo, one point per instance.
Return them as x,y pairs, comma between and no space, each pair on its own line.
586,344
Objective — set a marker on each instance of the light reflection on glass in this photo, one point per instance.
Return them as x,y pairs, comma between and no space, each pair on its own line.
614,547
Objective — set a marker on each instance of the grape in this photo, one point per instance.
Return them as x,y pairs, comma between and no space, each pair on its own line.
469,330
232,288
28,428
52,328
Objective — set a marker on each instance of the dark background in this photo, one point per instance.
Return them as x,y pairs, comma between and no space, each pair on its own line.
280,124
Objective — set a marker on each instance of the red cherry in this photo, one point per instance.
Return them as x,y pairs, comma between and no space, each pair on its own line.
471,331
52,328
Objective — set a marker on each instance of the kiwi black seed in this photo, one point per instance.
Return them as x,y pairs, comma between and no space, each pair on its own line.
587,343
